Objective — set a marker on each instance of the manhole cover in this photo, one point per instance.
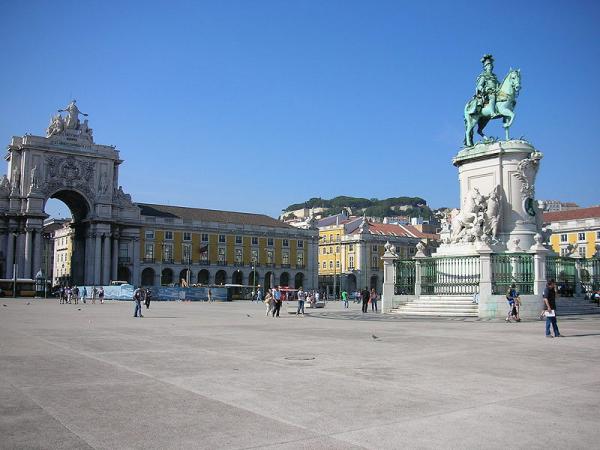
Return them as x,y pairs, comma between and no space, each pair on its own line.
299,358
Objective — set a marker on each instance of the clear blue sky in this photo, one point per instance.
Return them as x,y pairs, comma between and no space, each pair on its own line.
254,105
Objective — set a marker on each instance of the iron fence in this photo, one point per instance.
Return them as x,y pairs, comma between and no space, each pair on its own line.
589,276
405,277
456,275
564,272
512,268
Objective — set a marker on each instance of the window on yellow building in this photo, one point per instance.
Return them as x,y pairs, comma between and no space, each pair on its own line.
149,234
324,265
598,235
374,262
269,256
238,239
350,247
337,238
300,260
331,264
285,258
254,256
169,235
187,236
239,257
186,257
270,242
582,252
337,264
581,236
149,252
221,255
563,238
254,240
351,262
204,237
222,238
300,244
286,243
337,249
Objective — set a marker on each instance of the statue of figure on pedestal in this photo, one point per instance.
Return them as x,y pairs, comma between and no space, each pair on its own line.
57,125
492,213
73,113
491,100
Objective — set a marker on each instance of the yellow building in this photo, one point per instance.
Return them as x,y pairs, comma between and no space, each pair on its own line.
63,251
350,250
574,232
201,246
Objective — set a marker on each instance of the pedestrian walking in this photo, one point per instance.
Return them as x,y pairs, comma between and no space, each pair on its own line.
373,297
511,297
301,300
277,299
94,294
550,312
148,297
61,295
259,294
101,294
209,296
137,298
345,298
357,297
75,294
365,300
83,294
269,302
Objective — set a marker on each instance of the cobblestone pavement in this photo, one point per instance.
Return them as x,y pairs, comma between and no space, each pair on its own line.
222,375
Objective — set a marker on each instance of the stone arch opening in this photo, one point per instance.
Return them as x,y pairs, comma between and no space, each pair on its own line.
124,274
299,280
373,283
148,277
268,281
167,277
254,278
221,277
237,277
69,238
203,276
284,279
185,277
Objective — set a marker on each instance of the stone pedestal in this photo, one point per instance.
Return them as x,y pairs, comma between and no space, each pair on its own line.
512,167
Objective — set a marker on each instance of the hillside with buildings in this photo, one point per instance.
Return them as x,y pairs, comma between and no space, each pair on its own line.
405,207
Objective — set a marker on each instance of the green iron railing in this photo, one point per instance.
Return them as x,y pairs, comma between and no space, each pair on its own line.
405,277
563,271
457,275
512,268
589,275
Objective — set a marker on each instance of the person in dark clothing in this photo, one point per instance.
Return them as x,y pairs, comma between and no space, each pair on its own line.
550,304
365,300
148,298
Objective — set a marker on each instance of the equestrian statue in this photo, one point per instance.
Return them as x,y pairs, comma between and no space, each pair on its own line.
492,100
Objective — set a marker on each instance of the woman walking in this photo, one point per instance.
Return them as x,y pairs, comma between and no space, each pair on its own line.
269,302
373,299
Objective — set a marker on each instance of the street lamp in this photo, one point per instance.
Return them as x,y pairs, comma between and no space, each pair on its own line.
46,237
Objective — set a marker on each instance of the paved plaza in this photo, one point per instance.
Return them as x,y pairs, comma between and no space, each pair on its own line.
222,375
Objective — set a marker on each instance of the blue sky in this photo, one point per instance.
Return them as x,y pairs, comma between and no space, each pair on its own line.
252,106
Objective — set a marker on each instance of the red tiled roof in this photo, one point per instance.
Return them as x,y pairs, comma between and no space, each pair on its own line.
396,230
572,214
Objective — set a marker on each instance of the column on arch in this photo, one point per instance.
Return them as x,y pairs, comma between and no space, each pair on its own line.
106,260
97,258
27,257
37,251
115,255
10,254
89,258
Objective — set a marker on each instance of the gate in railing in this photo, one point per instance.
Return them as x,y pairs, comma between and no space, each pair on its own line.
405,277
563,271
451,275
512,268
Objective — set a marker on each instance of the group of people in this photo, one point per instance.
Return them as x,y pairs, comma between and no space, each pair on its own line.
365,297
275,298
141,295
548,313
72,294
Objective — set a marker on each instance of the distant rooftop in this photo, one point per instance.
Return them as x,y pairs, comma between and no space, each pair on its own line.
572,214
209,215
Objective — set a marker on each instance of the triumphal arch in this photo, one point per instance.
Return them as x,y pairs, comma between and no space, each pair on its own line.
68,165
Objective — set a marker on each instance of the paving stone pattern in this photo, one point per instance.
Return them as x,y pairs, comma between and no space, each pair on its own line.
222,375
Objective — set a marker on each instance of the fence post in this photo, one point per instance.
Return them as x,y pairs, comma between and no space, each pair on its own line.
539,271
578,265
389,278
